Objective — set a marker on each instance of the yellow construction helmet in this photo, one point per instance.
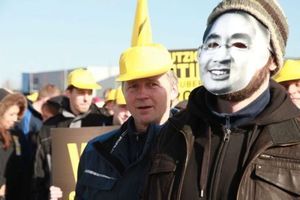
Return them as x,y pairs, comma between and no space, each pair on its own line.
83,79
290,71
111,95
33,96
120,99
144,61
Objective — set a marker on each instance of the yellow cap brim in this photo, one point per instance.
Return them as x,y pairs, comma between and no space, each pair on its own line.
91,86
289,72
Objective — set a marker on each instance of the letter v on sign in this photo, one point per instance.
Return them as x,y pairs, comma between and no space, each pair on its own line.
74,156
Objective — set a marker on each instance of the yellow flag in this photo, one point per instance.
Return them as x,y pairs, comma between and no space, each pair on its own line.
142,29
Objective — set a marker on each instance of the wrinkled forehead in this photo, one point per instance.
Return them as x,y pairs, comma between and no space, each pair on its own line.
236,22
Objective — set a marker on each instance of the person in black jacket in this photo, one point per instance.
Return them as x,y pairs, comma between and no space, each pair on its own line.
239,137
77,111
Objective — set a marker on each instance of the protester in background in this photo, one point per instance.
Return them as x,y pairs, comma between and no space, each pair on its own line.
32,97
121,112
114,165
20,171
239,137
289,77
110,99
12,108
54,106
77,111
98,101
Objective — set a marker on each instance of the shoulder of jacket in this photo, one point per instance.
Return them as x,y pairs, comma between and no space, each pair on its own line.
286,131
102,138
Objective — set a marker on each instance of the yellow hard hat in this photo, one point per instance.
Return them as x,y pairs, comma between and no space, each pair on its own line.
290,71
120,99
83,79
111,95
33,96
144,61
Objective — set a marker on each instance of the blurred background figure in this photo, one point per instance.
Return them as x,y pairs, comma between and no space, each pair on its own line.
20,171
76,111
33,96
121,112
12,108
109,103
289,77
98,101
45,93
53,106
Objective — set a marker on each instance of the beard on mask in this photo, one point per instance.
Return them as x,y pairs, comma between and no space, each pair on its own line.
252,87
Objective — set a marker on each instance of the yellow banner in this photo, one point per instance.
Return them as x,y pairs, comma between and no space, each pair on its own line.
187,70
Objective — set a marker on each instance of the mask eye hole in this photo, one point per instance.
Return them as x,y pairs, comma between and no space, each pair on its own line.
240,45
213,45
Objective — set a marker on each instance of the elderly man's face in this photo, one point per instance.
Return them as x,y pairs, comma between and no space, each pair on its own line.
234,50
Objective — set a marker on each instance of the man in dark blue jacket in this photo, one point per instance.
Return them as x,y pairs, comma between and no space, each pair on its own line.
114,165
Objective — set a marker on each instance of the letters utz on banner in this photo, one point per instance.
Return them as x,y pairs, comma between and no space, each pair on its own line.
187,70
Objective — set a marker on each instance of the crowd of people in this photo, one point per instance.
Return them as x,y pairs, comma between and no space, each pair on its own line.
237,136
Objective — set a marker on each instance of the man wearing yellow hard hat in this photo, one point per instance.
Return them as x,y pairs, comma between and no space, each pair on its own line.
109,102
77,111
114,165
289,77
121,112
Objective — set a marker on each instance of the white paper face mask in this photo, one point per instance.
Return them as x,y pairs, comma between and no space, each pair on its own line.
235,48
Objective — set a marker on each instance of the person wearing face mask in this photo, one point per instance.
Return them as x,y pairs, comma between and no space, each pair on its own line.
289,77
239,137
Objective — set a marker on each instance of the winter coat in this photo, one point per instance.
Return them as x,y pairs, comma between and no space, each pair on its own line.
42,166
114,165
270,164
4,155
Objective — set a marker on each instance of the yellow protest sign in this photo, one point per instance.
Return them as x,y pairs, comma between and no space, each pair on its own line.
187,70
67,147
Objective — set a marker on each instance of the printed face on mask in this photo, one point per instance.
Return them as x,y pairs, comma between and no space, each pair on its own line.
235,48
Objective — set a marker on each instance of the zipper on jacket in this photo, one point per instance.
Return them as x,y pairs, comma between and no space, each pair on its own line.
271,157
219,161
188,152
188,141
